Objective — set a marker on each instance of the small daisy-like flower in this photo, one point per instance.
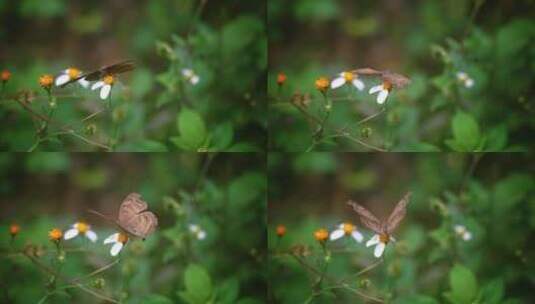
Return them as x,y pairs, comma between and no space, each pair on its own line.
190,76
5,75
55,235
281,79
119,240
14,229
321,235
46,81
104,85
347,229
380,240
197,231
465,79
70,74
322,84
280,230
83,229
349,78
462,232
383,89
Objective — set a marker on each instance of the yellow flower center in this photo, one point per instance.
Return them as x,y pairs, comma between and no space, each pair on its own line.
73,73
46,80
122,238
384,238
55,234
322,84
108,79
321,235
348,76
82,227
348,228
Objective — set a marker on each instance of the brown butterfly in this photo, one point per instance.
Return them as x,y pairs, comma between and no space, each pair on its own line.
114,69
384,227
398,80
134,217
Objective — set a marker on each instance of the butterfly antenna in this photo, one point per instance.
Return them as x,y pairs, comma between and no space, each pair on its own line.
100,214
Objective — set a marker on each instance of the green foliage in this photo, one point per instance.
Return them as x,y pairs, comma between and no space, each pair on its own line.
466,135
198,285
463,285
192,131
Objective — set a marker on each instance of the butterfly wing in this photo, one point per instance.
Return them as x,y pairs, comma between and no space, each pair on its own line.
141,224
131,206
397,214
367,72
113,69
398,80
366,217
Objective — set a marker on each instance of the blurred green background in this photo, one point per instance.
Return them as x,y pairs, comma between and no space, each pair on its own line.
429,41
223,194
223,42
492,195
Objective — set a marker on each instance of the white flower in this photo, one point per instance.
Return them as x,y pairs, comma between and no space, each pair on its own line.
197,231
105,86
190,76
119,240
380,241
346,229
383,89
70,74
347,77
81,228
465,79
462,232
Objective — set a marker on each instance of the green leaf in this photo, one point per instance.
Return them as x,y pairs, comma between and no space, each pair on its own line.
511,190
496,139
156,299
198,285
416,299
228,291
192,130
466,133
492,293
463,285
222,137
246,188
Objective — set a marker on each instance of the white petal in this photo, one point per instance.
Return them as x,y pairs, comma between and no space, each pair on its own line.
379,249
381,98
194,79
336,234
69,234
116,248
459,228
97,85
84,83
105,91
62,79
374,240
357,236
112,238
187,73
358,84
201,235
338,82
469,83
461,75
467,236
91,235
393,239
375,89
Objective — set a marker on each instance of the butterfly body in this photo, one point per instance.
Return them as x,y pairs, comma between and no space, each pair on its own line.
117,68
383,228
